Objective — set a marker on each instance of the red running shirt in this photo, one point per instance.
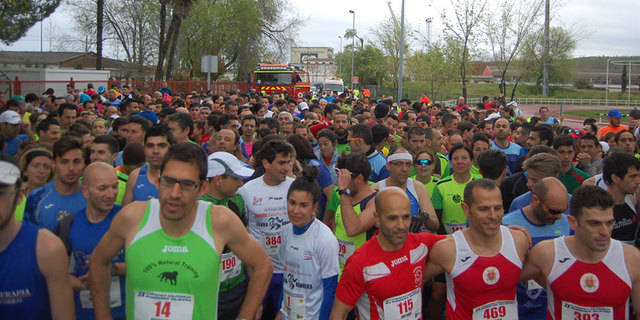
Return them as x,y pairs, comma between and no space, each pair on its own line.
588,291
387,284
484,288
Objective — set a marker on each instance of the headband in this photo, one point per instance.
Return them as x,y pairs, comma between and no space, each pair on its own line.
400,156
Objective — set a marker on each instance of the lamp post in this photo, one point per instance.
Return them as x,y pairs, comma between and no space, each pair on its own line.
428,21
353,44
339,63
400,71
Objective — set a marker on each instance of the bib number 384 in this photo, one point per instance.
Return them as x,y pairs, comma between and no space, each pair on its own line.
165,306
271,243
404,306
497,310
572,311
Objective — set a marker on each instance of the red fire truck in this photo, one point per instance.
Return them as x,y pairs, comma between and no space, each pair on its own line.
276,78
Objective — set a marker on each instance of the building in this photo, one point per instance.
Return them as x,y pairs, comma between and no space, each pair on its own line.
318,61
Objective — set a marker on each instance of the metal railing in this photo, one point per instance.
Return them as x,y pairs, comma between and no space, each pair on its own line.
599,103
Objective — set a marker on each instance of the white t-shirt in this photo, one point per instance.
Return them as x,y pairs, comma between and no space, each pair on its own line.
267,214
308,258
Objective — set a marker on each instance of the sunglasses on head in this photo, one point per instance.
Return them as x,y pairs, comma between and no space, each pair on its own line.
424,162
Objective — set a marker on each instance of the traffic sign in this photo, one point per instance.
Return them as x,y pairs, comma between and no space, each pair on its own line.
355,80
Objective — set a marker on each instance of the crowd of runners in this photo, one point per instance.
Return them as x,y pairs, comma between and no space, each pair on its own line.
117,203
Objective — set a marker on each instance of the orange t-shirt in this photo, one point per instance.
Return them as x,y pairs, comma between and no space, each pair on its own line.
607,129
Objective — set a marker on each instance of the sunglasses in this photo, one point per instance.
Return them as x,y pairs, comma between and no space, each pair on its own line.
354,139
424,162
552,211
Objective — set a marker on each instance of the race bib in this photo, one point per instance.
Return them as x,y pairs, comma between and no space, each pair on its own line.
404,306
453,227
293,305
271,243
497,310
159,305
572,311
345,250
231,266
115,299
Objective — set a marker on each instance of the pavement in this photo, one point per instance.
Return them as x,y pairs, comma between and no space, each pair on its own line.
573,121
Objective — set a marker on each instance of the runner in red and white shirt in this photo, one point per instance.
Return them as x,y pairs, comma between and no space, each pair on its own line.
383,278
587,275
483,262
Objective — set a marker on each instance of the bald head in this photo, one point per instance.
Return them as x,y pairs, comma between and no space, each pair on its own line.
391,199
551,188
97,172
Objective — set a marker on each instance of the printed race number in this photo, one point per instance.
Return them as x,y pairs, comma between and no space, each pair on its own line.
496,310
404,306
165,306
271,243
231,266
576,312
345,250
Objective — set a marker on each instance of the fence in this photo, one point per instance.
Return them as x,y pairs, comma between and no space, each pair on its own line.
23,87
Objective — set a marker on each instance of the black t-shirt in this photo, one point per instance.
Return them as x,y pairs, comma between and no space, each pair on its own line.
626,222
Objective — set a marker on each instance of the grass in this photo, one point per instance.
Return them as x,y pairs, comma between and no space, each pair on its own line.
413,89
595,114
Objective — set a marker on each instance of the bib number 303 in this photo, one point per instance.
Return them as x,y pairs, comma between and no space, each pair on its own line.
575,312
165,306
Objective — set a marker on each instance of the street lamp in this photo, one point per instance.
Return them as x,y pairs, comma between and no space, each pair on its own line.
428,21
353,43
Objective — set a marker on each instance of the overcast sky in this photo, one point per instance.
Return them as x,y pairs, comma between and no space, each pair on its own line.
603,27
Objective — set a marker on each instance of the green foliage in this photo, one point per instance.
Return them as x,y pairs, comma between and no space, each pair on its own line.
583,84
17,16
369,64
437,67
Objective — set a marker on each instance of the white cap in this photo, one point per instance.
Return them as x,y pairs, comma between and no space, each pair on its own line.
220,163
605,146
303,106
494,115
512,103
10,173
10,117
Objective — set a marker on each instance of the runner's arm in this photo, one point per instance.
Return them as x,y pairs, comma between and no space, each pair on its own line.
100,264
440,258
340,310
356,224
632,259
426,206
537,258
256,260
131,183
54,265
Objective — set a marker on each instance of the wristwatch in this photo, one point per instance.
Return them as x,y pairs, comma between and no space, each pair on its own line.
346,191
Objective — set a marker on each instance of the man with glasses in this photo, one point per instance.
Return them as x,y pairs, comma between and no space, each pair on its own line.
361,140
543,219
142,184
173,246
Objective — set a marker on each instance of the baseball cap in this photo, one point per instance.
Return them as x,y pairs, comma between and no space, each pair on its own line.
10,173
49,91
303,106
615,113
101,89
10,117
493,116
224,163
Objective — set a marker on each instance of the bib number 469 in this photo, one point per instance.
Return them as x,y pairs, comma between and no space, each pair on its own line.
163,309
495,313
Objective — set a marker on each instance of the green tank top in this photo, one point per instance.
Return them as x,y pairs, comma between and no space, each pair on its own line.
122,186
172,278
346,245
448,196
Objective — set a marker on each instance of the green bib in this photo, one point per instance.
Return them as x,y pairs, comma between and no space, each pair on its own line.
172,278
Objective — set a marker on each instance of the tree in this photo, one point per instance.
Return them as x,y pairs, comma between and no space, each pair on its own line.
561,45
388,37
181,9
506,33
16,17
369,64
437,66
99,29
467,15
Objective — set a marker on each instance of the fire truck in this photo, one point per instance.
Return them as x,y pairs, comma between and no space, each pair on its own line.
277,78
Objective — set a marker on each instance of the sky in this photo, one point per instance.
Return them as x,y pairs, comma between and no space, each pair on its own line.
601,27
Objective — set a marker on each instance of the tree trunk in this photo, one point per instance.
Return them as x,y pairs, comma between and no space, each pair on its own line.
172,51
99,26
513,91
162,50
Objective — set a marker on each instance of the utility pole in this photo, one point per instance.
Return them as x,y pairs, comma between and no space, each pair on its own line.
545,59
400,70
353,44
341,56
429,20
